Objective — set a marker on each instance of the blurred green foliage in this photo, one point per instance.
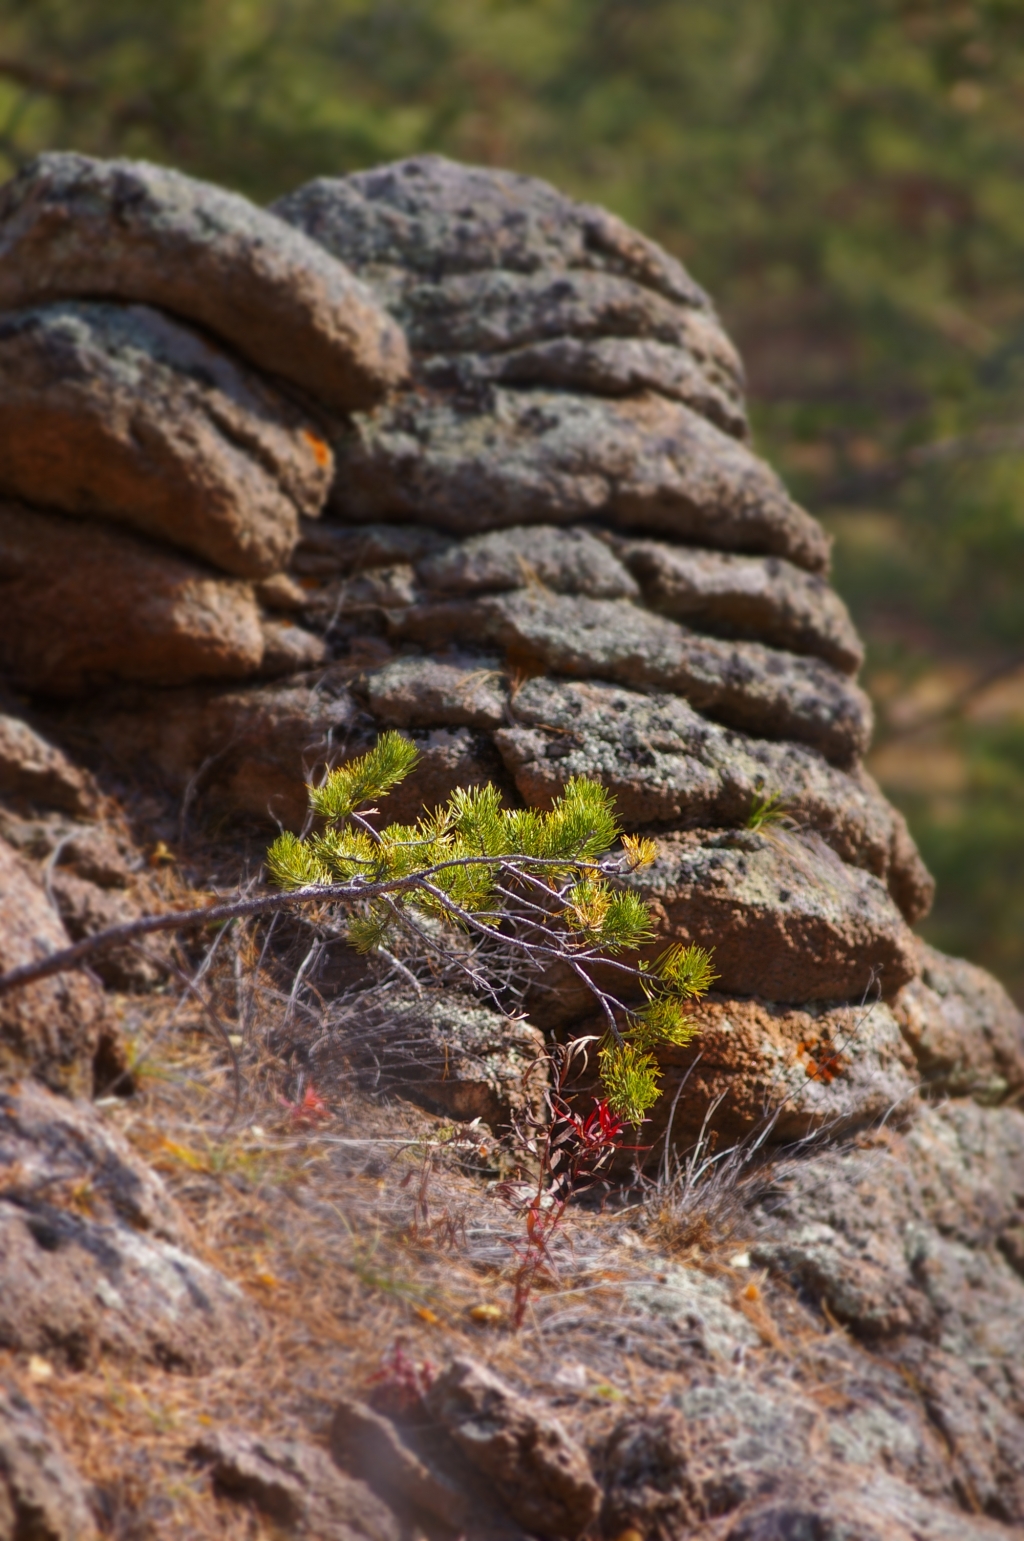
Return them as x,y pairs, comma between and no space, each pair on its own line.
845,176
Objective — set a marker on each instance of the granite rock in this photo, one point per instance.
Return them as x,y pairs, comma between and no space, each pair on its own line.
74,226
120,413
507,457
541,1475
966,1032
36,773
85,604
296,1485
55,1028
42,1497
763,598
744,684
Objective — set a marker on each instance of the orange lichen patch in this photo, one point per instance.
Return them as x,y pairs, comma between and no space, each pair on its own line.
321,449
823,1061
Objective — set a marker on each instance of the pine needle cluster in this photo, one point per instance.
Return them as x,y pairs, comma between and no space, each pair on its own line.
544,883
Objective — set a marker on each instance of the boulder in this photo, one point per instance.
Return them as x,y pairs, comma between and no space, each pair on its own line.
42,1497
540,1475
782,1072
38,774
453,691
501,277
755,688
569,561
296,1485
57,1028
74,226
788,921
85,908
763,598
84,604
120,413
442,1049
966,1033
666,764
363,1441
644,463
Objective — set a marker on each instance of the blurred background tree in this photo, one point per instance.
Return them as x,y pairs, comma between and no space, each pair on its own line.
847,179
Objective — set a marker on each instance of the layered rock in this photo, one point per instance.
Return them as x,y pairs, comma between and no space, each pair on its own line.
74,226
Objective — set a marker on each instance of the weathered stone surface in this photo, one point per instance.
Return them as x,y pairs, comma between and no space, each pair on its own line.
85,603
120,413
544,457
439,217
325,548
54,1028
70,225
787,919
758,689
873,1507
795,1071
91,1255
965,1031
42,1497
35,772
665,763
289,649
571,561
52,1148
365,1442
75,1288
540,1474
296,1485
696,375
455,691
86,908
764,598
446,1051
501,276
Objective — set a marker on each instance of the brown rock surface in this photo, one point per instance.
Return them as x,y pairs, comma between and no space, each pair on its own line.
787,919
365,1442
55,1028
84,604
540,1474
70,225
120,413
35,772
42,1497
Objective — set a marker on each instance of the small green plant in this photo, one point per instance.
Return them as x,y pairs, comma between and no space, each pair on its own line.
767,811
544,885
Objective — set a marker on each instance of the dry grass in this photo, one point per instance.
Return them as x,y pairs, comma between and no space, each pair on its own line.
374,1223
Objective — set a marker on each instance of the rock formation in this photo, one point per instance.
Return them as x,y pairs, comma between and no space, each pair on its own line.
437,448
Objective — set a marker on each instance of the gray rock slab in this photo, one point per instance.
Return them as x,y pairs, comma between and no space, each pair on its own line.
42,1496
744,684
119,413
439,217
446,1051
511,457
665,763
86,604
296,1485
764,598
610,366
966,1032
447,692
93,1250
74,226
568,561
